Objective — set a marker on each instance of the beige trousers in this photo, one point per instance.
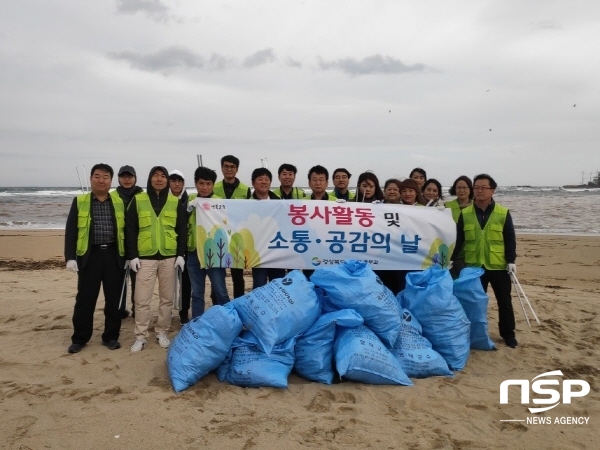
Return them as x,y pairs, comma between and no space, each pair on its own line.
150,269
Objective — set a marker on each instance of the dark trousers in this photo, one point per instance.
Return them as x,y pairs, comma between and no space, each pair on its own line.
262,275
501,285
239,287
103,269
394,280
186,291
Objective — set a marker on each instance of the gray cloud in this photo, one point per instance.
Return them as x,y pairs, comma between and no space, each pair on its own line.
292,63
152,8
167,58
371,65
259,58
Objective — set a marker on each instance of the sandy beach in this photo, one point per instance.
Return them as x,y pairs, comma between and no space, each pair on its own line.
102,399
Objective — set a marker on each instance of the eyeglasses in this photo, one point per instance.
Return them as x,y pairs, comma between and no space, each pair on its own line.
462,188
481,188
229,167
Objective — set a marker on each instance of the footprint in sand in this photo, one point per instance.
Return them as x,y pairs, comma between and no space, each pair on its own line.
323,401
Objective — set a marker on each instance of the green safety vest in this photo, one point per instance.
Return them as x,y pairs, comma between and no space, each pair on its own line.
455,207
156,234
296,193
191,228
485,247
351,195
241,191
84,221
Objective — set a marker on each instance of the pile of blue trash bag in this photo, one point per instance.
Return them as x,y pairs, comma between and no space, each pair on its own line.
342,323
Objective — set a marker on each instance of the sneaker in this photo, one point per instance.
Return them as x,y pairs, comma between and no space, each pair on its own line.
163,340
138,345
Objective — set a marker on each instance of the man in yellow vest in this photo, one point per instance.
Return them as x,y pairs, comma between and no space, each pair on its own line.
287,177
232,188
261,182
318,180
486,232
95,250
156,237
341,180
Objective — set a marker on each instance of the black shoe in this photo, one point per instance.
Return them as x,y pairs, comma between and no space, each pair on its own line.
75,348
124,314
511,342
111,345
184,319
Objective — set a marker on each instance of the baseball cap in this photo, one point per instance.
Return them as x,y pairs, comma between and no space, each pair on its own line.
127,169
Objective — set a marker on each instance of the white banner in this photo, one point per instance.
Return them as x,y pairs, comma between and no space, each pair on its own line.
301,234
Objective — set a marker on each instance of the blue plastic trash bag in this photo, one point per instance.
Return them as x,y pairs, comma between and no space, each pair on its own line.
414,351
474,300
202,345
279,310
428,295
314,347
249,366
354,285
361,356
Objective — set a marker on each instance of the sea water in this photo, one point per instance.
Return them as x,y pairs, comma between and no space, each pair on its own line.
545,209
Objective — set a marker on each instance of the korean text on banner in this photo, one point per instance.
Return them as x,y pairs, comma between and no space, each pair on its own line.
302,234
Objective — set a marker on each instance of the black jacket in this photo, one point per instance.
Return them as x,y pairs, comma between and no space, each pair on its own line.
158,202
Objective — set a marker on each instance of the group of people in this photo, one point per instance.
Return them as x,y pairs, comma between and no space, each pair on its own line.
150,235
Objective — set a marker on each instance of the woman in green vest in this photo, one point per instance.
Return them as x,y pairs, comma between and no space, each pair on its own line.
462,188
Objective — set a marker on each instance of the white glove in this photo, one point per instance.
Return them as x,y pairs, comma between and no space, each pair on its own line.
72,266
126,264
511,268
441,208
135,264
180,262
340,200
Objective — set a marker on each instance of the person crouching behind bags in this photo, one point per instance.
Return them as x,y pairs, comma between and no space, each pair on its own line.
156,234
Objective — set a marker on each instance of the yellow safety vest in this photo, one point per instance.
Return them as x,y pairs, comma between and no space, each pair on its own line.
191,228
455,207
157,234
84,221
485,247
296,193
241,191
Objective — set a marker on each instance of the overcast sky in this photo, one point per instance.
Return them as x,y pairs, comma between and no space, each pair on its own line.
510,88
